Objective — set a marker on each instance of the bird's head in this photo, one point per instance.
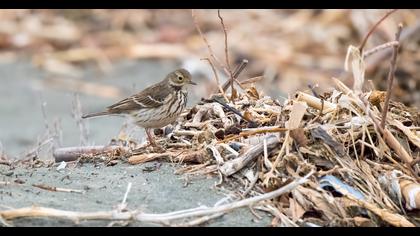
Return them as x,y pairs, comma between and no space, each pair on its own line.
179,78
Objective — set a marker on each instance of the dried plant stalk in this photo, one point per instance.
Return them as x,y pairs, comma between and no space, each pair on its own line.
191,157
315,102
391,76
392,218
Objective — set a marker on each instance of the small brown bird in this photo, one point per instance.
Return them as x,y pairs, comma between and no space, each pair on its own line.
157,105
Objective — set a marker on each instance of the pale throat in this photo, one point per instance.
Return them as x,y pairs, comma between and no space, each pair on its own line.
176,87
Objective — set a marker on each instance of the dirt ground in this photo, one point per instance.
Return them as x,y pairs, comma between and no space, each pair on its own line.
22,123
158,191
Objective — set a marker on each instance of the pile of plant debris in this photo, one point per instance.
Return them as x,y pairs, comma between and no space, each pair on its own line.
257,144
362,173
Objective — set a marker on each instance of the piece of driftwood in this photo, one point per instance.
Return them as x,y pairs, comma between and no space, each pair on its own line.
4,162
199,156
73,153
233,166
212,150
142,158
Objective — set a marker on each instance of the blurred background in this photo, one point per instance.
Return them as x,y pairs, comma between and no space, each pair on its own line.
55,64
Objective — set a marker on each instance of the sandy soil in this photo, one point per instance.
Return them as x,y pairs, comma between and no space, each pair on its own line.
158,191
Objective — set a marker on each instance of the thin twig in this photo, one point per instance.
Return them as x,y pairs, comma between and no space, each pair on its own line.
226,44
44,112
216,76
2,155
123,205
362,45
255,132
203,37
252,80
232,109
77,115
391,76
256,177
375,60
236,73
226,53
56,189
212,55
199,221
126,193
379,48
44,187
240,68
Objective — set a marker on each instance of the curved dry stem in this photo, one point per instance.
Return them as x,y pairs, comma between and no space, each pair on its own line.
362,45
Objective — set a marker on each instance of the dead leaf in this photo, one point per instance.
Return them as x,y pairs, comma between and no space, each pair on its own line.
299,136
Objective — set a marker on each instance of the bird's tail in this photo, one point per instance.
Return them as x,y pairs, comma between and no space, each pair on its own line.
102,113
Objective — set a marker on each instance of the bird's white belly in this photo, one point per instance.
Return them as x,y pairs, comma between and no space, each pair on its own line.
159,117
154,118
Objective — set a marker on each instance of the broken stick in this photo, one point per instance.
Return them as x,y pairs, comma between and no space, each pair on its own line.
233,166
73,153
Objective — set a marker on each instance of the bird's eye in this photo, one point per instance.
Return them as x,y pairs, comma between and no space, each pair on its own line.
180,78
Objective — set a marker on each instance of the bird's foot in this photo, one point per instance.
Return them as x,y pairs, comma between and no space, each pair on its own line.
152,143
154,147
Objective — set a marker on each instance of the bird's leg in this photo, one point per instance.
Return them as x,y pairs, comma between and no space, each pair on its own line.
150,137
152,142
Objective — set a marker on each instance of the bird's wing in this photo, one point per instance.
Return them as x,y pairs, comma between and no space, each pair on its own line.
149,98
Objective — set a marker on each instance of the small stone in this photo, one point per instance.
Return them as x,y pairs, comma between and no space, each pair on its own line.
158,132
8,173
253,124
235,146
234,129
19,181
62,165
168,130
220,134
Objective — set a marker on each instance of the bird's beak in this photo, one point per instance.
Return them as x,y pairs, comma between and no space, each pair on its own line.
193,83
